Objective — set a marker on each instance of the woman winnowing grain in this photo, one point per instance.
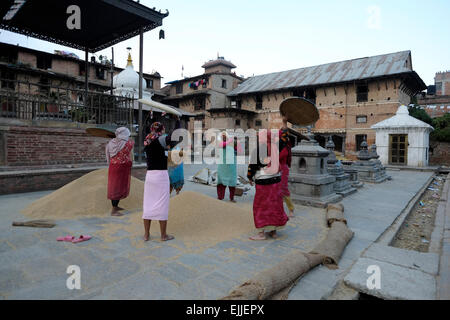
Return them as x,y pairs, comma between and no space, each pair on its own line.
227,168
268,211
120,160
157,184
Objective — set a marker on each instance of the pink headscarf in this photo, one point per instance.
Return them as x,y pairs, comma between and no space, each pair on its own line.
155,132
115,145
229,141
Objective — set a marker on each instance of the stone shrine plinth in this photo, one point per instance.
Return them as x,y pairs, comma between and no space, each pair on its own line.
353,173
309,181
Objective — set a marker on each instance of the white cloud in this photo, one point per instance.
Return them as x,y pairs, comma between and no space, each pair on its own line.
374,19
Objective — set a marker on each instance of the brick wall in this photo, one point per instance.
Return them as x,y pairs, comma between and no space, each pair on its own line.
34,146
71,68
41,180
36,181
441,153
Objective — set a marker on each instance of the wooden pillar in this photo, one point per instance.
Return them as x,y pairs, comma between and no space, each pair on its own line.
141,59
86,77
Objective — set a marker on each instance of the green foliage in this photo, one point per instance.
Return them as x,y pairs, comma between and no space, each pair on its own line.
441,128
421,114
441,125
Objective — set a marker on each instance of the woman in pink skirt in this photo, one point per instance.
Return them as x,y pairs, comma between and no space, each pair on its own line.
157,183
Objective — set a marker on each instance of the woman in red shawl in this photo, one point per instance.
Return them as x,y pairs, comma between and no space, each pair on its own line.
268,211
120,160
285,164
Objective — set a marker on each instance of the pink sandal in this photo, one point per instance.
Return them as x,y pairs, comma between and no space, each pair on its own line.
66,238
81,239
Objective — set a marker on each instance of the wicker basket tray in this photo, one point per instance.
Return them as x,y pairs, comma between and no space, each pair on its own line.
299,111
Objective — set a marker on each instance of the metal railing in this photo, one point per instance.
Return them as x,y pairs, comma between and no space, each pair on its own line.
40,101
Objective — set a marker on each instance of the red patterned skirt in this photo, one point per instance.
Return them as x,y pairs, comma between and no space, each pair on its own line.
284,180
268,207
119,178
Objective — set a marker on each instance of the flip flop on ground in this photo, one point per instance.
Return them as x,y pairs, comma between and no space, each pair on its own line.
81,239
66,238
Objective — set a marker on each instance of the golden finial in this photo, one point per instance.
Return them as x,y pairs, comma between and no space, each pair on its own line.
129,60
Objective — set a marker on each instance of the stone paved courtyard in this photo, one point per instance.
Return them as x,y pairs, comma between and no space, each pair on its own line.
34,264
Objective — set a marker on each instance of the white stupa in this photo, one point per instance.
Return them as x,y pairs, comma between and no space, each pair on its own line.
126,83
413,133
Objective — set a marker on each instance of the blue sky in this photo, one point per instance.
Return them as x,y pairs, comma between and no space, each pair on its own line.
269,36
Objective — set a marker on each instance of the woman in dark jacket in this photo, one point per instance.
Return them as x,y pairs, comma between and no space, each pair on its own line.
157,183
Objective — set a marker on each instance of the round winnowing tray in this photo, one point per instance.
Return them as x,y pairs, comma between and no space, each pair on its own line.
99,132
299,111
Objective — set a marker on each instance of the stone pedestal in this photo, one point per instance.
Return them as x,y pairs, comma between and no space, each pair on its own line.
309,181
353,173
368,171
342,185
375,158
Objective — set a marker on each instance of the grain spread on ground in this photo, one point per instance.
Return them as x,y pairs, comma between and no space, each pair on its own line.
84,197
194,218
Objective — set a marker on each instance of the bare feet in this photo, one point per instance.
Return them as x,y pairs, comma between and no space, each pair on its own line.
146,237
167,237
234,201
258,237
115,212
273,234
291,214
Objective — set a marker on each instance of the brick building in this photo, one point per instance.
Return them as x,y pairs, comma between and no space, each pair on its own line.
42,113
205,95
436,101
350,95
59,70
442,82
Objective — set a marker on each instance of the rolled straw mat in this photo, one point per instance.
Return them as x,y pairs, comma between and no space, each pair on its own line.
335,212
334,244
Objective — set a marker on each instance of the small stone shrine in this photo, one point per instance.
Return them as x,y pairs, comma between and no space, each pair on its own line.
309,181
342,185
368,170
350,170
374,157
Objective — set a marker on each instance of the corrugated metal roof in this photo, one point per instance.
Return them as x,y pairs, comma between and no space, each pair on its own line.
362,68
